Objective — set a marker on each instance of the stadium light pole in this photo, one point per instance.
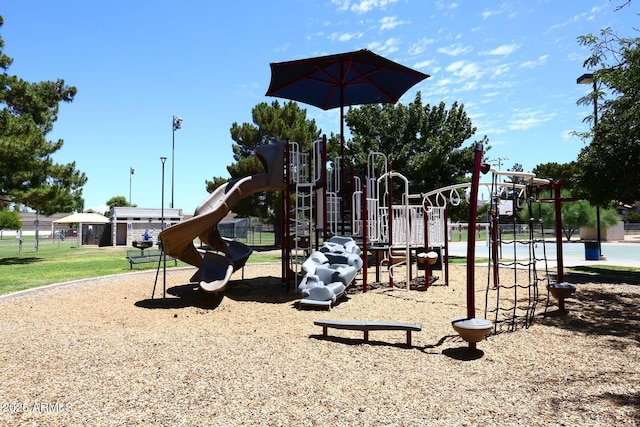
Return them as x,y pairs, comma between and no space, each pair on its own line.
176,124
586,79
131,172
162,159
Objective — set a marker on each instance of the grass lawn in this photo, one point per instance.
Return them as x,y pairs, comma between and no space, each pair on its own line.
57,261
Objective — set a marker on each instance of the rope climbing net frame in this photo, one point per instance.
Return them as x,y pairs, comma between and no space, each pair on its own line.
517,265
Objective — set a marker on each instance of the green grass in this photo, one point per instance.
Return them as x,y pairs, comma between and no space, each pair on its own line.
56,262
609,273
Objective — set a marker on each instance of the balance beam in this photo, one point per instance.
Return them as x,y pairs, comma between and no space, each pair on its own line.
366,326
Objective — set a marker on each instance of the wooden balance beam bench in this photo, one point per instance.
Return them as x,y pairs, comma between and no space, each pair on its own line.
366,326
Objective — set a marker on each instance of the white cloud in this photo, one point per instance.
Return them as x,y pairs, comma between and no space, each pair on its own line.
363,6
424,64
532,64
420,46
444,82
588,15
500,69
455,50
436,91
504,50
389,46
526,119
344,37
441,5
470,86
575,56
564,24
342,4
390,22
464,69
489,13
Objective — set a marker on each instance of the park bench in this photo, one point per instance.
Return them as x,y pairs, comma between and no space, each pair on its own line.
366,326
141,256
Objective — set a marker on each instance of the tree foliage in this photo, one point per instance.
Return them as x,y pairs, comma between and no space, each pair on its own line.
422,142
28,174
270,123
117,202
574,215
10,220
566,173
609,164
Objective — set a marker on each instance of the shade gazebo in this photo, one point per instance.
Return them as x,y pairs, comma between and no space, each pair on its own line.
82,218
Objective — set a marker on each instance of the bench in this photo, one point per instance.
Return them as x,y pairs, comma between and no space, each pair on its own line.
366,326
141,256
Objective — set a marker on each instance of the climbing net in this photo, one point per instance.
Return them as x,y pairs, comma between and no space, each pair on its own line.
517,265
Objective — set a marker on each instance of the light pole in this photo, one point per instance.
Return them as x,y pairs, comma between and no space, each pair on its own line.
584,80
176,124
131,172
162,159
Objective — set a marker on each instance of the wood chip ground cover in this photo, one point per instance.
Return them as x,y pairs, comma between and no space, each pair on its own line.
102,353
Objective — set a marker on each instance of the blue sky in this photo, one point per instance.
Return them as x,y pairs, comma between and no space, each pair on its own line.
513,64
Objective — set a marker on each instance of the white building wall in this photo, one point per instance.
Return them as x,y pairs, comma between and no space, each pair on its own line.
140,220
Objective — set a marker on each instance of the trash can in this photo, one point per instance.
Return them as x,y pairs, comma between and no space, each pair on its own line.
591,251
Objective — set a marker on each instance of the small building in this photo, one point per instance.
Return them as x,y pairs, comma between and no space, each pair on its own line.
136,224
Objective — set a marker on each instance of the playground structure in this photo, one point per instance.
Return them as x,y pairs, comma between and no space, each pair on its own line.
398,234
311,208
394,232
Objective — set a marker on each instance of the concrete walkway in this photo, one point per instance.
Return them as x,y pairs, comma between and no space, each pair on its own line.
621,253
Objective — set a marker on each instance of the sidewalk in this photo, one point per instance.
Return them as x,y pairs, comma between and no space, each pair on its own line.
622,253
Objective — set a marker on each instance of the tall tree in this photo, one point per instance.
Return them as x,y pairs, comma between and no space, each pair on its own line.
117,202
270,123
28,174
423,142
564,172
609,164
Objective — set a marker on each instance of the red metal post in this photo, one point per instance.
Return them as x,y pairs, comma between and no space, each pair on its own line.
286,204
390,216
471,236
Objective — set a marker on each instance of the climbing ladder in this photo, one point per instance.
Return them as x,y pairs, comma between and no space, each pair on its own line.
302,179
